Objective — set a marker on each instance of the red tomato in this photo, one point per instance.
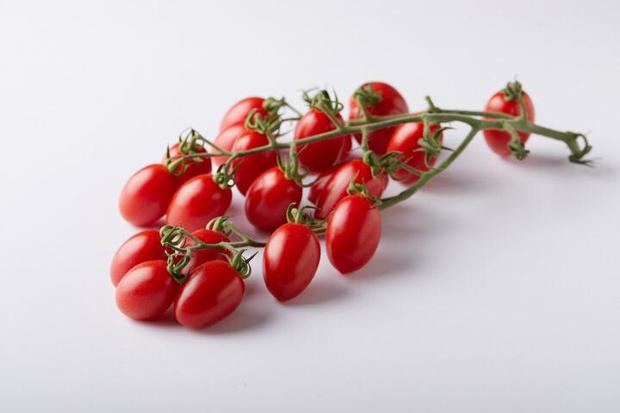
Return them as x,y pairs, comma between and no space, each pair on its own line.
496,139
290,260
405,140
319,184
269,197
353,233
193,167
143,246
322,155
146,195
201,256
225,140
238,113
212,292
198,201
146,291
249,167
336,187
391,103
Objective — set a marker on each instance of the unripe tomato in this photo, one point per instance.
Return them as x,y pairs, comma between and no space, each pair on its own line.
496,139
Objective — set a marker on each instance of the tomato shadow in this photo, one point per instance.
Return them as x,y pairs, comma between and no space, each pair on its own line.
452,182
246,318
384,265
166,321
320,291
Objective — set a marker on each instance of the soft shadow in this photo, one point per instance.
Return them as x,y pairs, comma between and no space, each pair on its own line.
245,318
452,182
384,265
318,292
166,321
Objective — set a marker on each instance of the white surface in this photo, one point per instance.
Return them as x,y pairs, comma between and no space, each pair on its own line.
497,289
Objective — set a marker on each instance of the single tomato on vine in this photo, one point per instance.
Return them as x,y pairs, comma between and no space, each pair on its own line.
290,260
322,155
503,102
406,140
146,291
239,112
269,197
141,247
388,101
213,291
146,195
353,233
198,201
248,168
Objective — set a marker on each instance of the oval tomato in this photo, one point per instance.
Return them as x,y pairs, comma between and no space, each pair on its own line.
238,113
196,202
248,168
322,155
193,166
336,187
143,246
319,184
225,140
201,256
146,291
406,139
212,292
269,197
353,233
496,139
290,260
146,195
391,103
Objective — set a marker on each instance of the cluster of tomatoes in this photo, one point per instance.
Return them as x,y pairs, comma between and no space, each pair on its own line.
183,191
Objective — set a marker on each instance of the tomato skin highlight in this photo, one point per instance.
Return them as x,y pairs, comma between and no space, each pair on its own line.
320,156
239,112
213,291
319,184
193,167
269,197
196,202
405,139
201,256
336,187
496,139
391,103
146,195
146,291
249,167
225,140
141,247
290,260
353,233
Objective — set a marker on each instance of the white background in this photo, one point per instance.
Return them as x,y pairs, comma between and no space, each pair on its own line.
496,289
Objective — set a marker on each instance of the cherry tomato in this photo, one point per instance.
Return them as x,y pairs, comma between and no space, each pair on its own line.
212,292
336,187
319,184
146,291
201,256
249,167
353,233
269,197
322,155
290,260
225,140
406,139
143,246
238,113
193,166
391,103
496,139
196,202
146,195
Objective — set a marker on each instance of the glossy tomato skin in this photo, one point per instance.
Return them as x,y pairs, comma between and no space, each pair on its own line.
213,291
319,184
146,291
336,187
353,233
269,197
225,140
193,167
320,156
496,139
146,195
196,202
290,260
391,103
201,256
143,246
238,113
249,167
406,139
